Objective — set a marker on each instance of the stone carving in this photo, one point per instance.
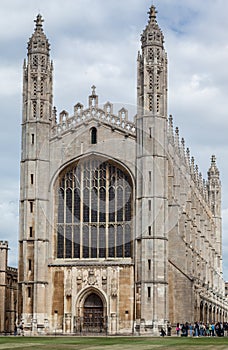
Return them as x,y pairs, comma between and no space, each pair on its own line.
68,285
114,290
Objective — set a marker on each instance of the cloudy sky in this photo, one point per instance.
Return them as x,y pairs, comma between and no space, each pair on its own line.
96,42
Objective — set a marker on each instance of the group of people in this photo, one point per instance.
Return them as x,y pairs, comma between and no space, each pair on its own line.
200,329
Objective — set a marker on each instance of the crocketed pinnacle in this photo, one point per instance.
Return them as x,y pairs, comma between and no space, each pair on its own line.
213,171
38,43
152,34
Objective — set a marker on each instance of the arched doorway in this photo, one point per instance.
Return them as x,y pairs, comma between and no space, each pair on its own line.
93,314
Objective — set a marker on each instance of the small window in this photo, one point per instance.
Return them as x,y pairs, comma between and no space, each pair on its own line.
32,179
93,136
149,264
149,204
29,292
149,176
150,133
148,292
33,139
30,264
31,207
30,231
149,230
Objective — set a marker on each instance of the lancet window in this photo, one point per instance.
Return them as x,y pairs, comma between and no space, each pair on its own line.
94,205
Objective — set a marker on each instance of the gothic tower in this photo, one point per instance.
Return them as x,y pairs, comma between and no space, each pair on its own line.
151,215
36,123
214,195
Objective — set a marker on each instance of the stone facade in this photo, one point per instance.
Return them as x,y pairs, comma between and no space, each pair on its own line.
119,233
8,291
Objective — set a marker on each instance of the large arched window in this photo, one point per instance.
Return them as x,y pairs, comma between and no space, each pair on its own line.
94,204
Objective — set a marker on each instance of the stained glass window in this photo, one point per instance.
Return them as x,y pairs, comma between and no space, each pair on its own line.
94,207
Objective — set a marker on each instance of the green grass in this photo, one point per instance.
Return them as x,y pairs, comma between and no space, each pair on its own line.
111,343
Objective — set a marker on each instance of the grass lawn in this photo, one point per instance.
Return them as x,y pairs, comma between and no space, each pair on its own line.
111,343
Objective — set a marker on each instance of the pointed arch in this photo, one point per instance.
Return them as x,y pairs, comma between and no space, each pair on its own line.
93,135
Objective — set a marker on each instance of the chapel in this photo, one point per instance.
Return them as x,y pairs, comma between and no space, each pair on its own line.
119,232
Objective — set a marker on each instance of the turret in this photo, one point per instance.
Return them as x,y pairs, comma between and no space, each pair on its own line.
36,125
37,92
214,196
152,207
3,282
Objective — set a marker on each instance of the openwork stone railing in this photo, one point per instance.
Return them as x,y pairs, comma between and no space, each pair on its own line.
104,115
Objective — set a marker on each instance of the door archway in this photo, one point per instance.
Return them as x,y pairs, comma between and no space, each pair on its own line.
93,313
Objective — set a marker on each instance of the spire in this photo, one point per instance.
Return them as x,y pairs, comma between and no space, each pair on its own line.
152,35
213,170
38,43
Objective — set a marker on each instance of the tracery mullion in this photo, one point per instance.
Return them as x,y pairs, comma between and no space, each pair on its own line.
81,209
64,225
107,182
116,203
90,209
123,225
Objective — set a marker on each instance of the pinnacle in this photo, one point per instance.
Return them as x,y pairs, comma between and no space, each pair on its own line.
39,20
213,160
152,13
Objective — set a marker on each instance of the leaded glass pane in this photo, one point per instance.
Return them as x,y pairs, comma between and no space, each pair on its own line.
60,244
76,241
127,246
102,213
61,205
111,241
102,242
94,242
85,241
68,242
119,241
69,205
99,194
77,205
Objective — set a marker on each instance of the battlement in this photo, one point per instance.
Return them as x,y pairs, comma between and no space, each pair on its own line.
103,114
4,245
189,162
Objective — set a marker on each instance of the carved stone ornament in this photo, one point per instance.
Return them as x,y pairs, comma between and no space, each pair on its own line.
92,279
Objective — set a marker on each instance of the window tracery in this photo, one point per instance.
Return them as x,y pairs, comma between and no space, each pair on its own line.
94,202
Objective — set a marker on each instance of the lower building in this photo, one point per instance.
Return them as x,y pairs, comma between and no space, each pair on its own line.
8,292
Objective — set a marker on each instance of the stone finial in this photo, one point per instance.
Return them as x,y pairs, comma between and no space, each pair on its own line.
93,90
213,170
54,116
193,166
171,121
152,13
177,143
183,147
213,160
188,156
39,21
93,98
